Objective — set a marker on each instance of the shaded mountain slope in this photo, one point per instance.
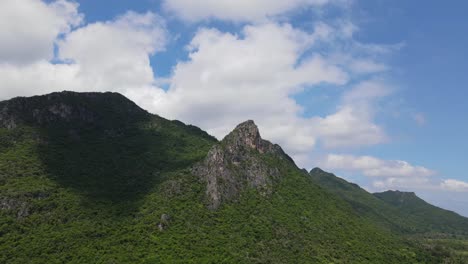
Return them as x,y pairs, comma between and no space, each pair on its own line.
70,109
92,178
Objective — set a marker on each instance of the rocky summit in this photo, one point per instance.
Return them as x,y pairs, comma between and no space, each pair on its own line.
235,164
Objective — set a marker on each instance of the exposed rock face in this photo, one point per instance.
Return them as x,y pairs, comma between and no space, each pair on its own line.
164,223
21,205
68,108
235,164
20,208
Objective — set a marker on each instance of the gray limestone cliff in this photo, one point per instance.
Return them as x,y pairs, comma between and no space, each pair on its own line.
236,164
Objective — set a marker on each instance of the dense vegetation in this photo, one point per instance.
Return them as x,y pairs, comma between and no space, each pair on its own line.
457,249
434,220
443,232
399,211
122,191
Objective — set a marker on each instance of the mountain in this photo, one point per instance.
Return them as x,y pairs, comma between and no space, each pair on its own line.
401,212
434,219
237,164
70,109
93,178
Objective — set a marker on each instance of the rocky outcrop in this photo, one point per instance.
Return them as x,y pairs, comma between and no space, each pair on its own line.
164,223
19,208
69,109
236,164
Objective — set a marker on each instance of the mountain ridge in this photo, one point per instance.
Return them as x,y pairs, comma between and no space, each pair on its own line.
130,187
71,109
399,211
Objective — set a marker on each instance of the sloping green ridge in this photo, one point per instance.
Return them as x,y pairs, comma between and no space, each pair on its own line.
399,211
99,191
432,218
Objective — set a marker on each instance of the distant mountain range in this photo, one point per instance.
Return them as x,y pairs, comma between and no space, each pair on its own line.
93,178
401,212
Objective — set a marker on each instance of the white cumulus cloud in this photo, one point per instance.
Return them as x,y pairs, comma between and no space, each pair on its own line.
374,167
230,78
29,28
102,56
226,79
454,185
114,55
238,11
353,124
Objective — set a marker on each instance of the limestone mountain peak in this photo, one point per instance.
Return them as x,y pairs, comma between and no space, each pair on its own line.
246,134
237,163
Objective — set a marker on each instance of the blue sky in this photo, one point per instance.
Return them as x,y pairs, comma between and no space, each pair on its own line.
371,90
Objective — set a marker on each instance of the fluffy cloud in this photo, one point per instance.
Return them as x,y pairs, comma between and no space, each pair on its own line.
29,28
449,194
353,124
410,183
393,174
454,185
37,78
230,78
226,79
240,10
374,167
103,56
115,55
367,66
349,127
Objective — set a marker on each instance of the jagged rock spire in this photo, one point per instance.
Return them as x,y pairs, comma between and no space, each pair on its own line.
245,134
235,164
